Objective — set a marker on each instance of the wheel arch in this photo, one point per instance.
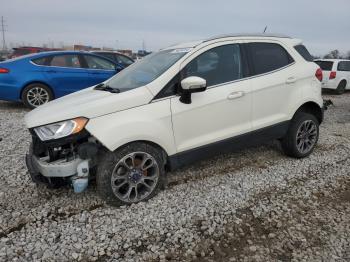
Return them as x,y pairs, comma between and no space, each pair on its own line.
154,144
311,108
36,82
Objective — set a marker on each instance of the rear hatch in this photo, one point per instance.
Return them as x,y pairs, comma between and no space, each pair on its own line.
326,67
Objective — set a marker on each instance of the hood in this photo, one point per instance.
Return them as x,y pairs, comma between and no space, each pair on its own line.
87,103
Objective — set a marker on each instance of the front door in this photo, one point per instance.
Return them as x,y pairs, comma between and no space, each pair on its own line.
66,74
99,69
223,110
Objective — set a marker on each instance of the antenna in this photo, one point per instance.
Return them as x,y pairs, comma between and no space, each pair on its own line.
3,33
265,29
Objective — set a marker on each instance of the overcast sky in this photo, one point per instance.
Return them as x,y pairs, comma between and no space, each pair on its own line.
323,25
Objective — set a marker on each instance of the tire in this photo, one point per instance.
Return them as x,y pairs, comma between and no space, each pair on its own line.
341,87
306,127
119,182
36,94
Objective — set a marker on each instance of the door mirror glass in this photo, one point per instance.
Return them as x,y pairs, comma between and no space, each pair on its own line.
192,84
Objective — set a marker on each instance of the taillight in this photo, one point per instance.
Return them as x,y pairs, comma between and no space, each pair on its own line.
332,75
4,71
319,74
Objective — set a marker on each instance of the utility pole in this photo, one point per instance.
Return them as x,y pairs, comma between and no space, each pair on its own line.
3,33
143,45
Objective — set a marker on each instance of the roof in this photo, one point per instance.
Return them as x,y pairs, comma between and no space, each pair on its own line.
247,35
195,43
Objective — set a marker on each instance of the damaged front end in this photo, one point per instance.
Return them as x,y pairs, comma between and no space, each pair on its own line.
70,160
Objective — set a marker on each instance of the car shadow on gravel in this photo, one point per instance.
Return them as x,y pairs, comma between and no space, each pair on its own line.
4,105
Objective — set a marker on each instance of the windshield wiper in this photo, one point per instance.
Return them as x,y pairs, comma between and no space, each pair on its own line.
104,87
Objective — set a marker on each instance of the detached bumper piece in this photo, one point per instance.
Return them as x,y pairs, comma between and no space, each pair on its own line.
327,103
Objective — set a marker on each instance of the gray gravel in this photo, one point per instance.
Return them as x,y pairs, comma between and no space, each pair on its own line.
254,205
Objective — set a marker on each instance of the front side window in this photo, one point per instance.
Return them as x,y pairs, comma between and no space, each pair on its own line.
344,66
124,60
267,57
94,62
65,61
325,65
146,70
218,65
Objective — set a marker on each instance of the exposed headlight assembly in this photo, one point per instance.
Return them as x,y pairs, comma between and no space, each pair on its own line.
61,129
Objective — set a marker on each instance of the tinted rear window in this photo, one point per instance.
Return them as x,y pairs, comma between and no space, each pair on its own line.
267,57
304,52
344,66
325,65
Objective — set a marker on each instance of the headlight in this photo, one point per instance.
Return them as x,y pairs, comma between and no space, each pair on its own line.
60,129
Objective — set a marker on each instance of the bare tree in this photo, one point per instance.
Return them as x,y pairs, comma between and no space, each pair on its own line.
334,54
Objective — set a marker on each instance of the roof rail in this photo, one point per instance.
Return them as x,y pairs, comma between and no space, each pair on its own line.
247,35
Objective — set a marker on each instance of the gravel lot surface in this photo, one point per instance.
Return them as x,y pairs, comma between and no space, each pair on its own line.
254,205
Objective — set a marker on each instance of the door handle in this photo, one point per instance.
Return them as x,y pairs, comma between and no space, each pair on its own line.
291,80
52,71
235,95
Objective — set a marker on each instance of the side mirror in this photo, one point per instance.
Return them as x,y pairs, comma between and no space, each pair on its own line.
192,84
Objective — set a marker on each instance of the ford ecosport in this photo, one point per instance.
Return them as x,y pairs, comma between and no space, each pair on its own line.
176,106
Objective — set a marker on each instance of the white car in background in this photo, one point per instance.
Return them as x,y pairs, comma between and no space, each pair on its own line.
336,74
174,107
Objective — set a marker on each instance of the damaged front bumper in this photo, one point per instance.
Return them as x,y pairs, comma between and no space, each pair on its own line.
58,163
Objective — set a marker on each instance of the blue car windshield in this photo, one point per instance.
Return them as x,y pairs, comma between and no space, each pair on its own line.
145,70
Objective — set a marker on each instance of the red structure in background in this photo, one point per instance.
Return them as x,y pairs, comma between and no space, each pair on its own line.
25,50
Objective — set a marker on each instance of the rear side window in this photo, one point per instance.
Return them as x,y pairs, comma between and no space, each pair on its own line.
344,66
301,49
65,61
267,57
325,65
39,61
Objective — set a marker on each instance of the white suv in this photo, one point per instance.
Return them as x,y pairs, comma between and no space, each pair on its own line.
336,74
177,106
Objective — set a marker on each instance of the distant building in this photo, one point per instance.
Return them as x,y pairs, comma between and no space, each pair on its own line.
127,52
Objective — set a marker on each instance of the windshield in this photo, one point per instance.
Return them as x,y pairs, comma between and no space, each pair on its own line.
146,70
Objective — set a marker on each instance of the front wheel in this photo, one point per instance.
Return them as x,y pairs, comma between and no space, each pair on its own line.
36,94
132,174
302,135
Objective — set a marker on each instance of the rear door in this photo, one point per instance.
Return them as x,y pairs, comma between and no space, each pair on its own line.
66,74
274,83
344,71
99,69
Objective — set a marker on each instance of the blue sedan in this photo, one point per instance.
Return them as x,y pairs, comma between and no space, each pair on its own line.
39,78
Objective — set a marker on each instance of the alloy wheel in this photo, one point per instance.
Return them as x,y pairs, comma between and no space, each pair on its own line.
37,96
135,177
306,136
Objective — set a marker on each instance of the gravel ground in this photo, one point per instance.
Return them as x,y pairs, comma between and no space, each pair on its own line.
254,205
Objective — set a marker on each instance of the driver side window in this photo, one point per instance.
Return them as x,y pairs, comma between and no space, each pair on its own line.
217,66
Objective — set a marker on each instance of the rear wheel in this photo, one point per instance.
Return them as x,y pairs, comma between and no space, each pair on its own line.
36,94
302,135
132,174
341,87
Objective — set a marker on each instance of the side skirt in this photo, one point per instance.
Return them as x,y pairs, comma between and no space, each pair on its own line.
228,145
